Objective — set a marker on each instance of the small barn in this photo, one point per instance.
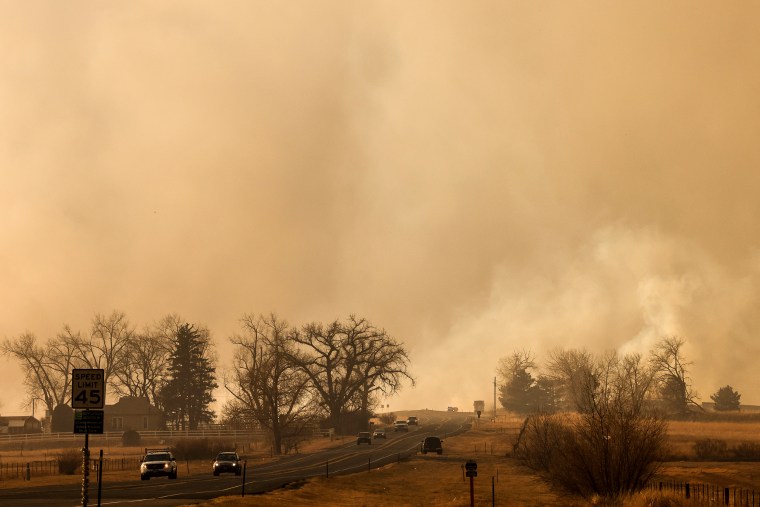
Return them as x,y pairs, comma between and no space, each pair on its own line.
19,425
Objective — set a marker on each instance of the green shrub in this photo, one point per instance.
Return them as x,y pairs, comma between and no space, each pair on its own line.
69,461
710,448
130,438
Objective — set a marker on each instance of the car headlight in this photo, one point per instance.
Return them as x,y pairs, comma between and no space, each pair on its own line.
166,466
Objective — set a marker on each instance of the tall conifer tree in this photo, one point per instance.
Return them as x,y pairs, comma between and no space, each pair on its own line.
187,394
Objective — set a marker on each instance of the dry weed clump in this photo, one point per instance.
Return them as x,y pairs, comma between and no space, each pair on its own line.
654,499
69,461
599,456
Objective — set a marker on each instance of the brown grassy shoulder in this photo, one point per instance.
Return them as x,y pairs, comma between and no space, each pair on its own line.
434,480
438,480
425,480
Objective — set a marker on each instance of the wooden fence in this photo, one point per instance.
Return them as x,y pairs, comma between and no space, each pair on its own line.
31,469
709,494
116,435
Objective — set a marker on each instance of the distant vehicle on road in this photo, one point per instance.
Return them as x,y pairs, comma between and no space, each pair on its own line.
157,463
401,426
227,462
453,409
411,421
379,434
364,437
432,444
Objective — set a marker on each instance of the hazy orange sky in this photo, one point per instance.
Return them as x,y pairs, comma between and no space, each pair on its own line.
475,177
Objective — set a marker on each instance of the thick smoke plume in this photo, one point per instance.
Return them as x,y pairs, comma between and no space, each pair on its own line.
476,178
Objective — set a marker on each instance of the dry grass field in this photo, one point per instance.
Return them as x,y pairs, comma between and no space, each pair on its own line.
438,480
425,480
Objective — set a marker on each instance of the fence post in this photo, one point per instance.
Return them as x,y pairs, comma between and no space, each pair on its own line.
688,493
242,489
28,473
100,477
725,496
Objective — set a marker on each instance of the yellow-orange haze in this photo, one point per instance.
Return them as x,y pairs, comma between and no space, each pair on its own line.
475,177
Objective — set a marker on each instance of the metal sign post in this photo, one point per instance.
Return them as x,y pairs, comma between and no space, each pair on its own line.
100,476
87,392
472,471
86,470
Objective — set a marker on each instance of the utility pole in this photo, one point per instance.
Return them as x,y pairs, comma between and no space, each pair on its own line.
494,399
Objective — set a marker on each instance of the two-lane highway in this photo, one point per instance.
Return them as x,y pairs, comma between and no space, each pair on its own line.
347,458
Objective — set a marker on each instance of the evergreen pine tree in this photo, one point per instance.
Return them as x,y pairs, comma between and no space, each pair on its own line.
726,398
517,394
187,394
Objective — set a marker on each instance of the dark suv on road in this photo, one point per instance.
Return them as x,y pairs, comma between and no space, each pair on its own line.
157,464
432,444
227,462
364,437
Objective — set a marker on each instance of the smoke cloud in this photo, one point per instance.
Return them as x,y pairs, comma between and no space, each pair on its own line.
474,178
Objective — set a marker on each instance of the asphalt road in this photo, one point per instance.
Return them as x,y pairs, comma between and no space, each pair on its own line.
188,489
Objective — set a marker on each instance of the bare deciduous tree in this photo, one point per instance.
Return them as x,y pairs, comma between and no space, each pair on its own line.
144,368
382,368
266,384
347,362
674,384
571,370
106,347
518,361
615,443
47,368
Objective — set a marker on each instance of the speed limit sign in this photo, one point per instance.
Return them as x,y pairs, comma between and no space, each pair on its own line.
88,388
